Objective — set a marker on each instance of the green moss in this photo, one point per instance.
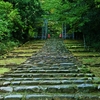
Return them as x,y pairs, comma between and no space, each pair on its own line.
29,47
25,55
77,50
91,60
93,54
12,61
95,70
29,50
3,70
73,41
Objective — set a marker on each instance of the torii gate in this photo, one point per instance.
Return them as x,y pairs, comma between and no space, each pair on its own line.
45,30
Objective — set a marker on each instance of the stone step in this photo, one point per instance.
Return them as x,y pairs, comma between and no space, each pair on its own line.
32,52
50,70
29,75
44,82
56,96
86,56
44,68
37,44
72,88
9,65
48,78
40,68
17,56
82,51
46,71
74,47
52,62
51,74
27,48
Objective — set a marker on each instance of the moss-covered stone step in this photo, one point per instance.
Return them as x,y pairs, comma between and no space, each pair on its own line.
37,44
24,51
86,54
9,66
75,47
44,82
33,42
12,61
73,44
50,96
20,56
49,70
81,50
95,79
17,55
91,60
46,71
45,66
42,68
30,47
72,41
49,75
72,88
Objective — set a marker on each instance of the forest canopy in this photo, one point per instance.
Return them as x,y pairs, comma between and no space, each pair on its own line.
19,19
81,16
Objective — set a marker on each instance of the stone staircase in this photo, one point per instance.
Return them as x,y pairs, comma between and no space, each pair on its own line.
51,74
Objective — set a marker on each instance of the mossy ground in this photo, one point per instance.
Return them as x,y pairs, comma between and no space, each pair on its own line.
95,70
3,70
23,52
29,50
86,54
90,58
12,61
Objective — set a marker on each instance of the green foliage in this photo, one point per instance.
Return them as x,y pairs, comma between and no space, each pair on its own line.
7,44
50,8
32,32
30,11
81,16
16,17
3,48
11,44
5,9
8,18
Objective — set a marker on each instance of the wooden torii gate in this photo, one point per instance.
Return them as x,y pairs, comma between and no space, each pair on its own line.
45,29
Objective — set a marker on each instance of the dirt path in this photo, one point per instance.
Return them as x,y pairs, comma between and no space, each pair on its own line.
51,74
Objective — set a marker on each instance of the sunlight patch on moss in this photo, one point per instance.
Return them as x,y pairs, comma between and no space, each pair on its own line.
12,61
29,50
95,70
3,70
